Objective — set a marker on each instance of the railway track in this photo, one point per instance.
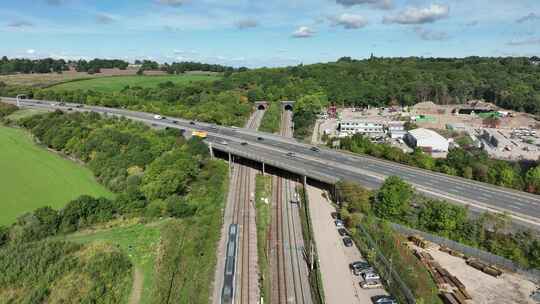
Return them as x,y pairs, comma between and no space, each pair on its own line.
291,279
242,215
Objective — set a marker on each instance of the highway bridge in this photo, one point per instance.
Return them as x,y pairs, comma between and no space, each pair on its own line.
329,166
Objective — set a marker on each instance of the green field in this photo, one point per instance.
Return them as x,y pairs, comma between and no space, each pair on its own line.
138,241
117,83
32,177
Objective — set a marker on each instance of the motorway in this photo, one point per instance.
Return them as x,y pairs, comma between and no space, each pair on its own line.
330,165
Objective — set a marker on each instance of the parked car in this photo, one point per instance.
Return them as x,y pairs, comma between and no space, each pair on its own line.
347,241
359,265
339,223
342,231
335,215
383,300
371,276
371,284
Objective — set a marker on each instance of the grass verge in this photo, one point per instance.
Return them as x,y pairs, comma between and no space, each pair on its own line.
272,118
263,192
315,276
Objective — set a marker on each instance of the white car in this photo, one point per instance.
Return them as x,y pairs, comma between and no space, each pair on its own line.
371,276
371,284
158,117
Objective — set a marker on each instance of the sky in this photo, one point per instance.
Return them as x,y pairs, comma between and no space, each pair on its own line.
256,33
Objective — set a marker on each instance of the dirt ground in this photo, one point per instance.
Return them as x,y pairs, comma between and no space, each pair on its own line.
136,290
510,288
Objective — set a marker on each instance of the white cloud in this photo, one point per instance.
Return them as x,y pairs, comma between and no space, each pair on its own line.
172,2
431,35
303,32
529,17
103,18
349,21
417,15
20,24
246,24
530,41
381,4
30,51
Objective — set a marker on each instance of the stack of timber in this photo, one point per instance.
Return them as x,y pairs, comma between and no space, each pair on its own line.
453,291
486,268
421,242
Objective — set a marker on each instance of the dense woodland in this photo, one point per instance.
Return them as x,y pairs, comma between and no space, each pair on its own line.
469,163
154,174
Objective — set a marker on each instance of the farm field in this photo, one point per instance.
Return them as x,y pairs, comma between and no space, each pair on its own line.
139,242
117,83
31,177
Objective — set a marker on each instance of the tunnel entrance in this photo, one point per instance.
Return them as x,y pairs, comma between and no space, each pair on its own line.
288,107
261,107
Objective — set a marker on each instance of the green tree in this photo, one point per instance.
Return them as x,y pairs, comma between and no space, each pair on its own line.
393,199
532,179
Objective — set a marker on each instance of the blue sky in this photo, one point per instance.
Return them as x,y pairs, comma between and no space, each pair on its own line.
257,33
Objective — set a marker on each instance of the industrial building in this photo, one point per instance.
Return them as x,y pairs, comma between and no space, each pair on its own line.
366,127
429,141
396,129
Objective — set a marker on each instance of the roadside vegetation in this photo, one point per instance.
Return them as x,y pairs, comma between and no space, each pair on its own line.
119,83
272,118
62,272
263,192
396,202
154,174
469,163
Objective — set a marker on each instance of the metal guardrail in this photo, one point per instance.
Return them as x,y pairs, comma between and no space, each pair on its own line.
531,274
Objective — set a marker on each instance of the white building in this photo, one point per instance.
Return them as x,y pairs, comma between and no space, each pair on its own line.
366,127
396,129
429,141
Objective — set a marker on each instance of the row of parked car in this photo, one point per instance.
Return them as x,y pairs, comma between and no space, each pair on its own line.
370,278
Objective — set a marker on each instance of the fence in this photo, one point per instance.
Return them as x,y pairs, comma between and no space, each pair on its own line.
532,274
388,270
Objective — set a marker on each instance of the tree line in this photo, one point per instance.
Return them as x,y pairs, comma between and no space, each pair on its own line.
472,163
397,202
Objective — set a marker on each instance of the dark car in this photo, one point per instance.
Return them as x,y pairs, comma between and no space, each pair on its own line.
290,154
342,231
243,143
359,266
335,215
260,138
79,106
347,241
315,149
383,300
174,122
69,109
191,122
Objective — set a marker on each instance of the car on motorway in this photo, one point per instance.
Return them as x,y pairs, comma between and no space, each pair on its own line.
62,104
383,300
191,122
260,138
372,284
223,143
339,223
290,154
371,276
69,109
347,241
315,149
79,106
342,232
244,143
158,117
174,122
